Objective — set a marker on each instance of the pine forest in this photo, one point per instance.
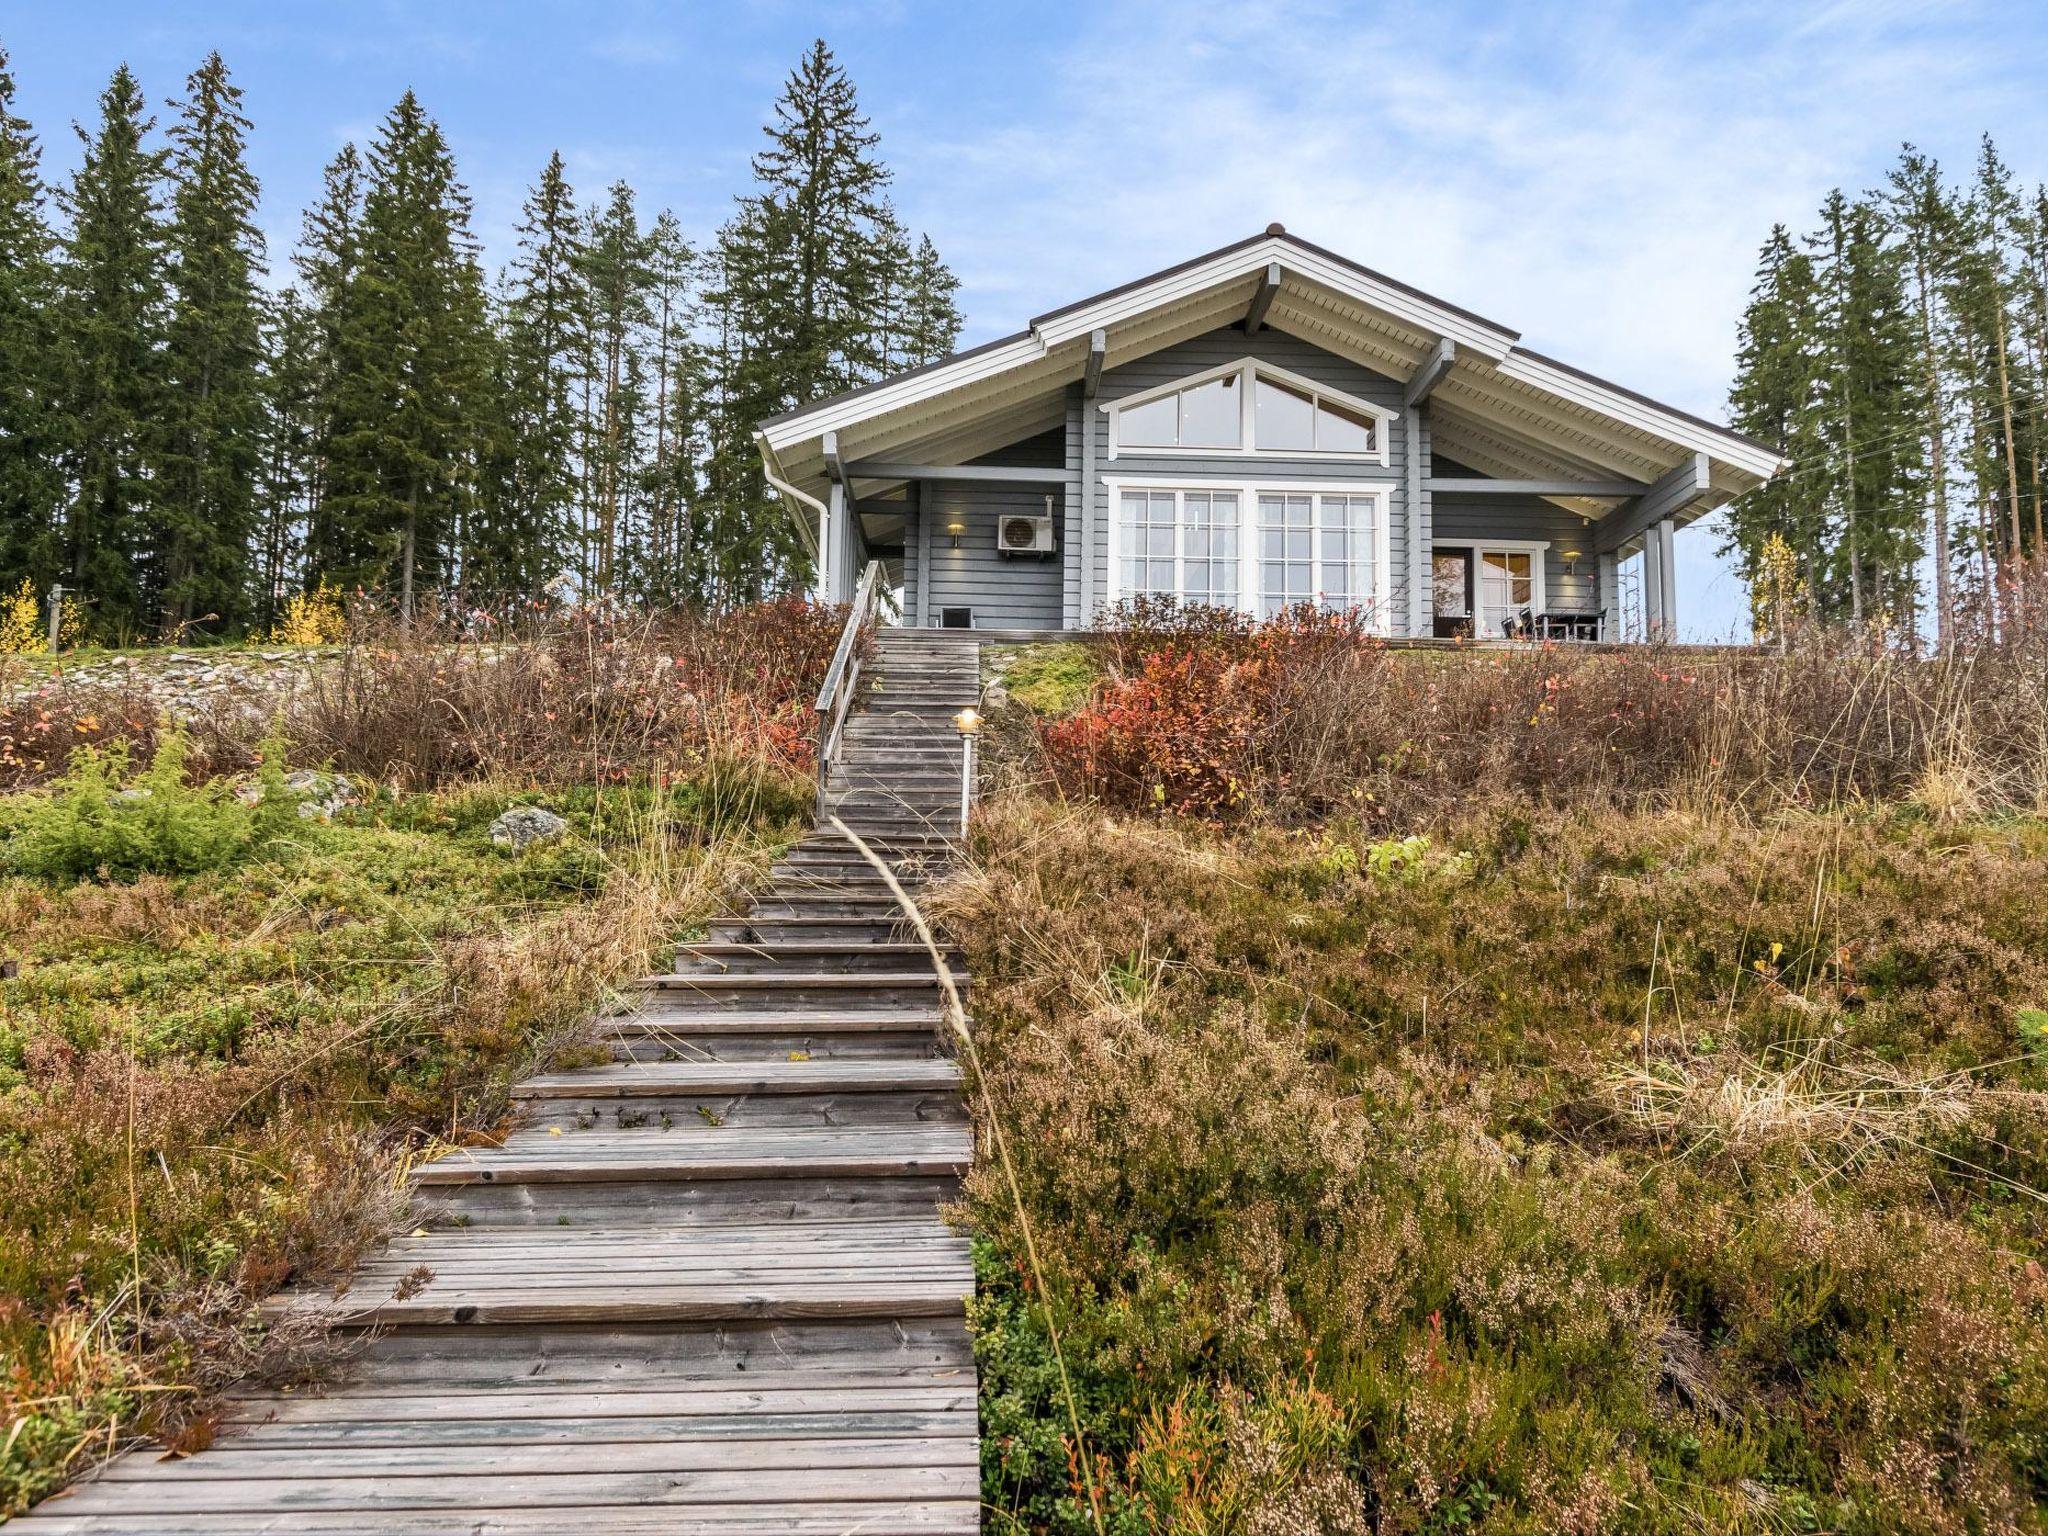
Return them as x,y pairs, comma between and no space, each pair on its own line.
194,429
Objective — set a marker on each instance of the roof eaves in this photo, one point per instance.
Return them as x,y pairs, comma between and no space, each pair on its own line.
1758,451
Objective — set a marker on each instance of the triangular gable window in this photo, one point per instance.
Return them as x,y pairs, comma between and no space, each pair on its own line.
1249,407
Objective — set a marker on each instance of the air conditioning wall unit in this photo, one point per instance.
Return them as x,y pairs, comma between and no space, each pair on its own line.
1023,533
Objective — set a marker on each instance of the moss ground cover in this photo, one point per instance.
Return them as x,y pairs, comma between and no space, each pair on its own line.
224,1028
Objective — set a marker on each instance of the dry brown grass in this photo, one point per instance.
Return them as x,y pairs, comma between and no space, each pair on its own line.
1383,1198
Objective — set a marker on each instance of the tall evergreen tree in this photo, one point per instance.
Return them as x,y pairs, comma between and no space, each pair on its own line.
1980,296
1868,411
205,506
1924,216
524,540
801,269
112,314
1774,400
932,313
616,279
31,482
337,549
288,474
666,568
409,410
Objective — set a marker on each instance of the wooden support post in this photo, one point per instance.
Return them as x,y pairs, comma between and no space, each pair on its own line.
1667,570
1417,524
1653,586
924,555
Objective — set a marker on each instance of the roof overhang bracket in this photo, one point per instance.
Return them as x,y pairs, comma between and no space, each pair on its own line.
835,466
1429,373
1091,378
1262,299
1671,494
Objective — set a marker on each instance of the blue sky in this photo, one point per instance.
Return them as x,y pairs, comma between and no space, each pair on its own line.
1597,174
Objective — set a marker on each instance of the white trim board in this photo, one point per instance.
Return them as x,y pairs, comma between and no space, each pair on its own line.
1248,493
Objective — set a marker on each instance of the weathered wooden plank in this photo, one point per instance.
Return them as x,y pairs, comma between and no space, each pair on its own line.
631,1414
233,1460
924,1517
883,1480
792,1077
681,1304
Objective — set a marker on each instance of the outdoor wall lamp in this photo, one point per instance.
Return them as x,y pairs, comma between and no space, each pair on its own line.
956,529
1571,560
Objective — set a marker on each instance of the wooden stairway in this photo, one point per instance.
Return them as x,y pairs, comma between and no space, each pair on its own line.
704,1289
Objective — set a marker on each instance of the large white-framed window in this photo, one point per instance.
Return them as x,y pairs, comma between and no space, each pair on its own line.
1178,542
1250,408
1506,580
1257,546
1319,547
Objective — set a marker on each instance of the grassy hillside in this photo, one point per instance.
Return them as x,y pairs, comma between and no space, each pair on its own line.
227,1023
1471,1132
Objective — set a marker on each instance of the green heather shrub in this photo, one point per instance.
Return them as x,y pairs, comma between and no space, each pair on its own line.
1513,1195
102,820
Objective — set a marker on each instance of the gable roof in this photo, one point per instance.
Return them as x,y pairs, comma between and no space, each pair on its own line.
1502,408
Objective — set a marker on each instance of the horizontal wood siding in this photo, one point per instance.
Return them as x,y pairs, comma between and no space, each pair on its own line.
1010,592
1212,350
1467,519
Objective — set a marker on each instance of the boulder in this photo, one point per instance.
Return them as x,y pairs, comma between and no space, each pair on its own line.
525,825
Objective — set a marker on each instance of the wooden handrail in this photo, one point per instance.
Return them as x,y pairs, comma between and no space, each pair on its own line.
842,678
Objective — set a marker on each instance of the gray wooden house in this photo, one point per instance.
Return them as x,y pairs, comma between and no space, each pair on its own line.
1264,425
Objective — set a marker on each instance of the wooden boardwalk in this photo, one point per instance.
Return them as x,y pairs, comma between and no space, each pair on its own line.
704,1289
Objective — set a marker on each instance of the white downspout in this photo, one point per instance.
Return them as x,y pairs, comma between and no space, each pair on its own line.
818,540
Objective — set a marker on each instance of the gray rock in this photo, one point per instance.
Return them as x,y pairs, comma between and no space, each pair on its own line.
524,825
320,795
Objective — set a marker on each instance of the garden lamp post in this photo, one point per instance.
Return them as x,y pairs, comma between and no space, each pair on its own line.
968,724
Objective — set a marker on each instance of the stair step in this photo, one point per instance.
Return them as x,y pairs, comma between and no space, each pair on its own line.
681,1023
700,1271
657,1157
808,957
671,981
777,930
669,1078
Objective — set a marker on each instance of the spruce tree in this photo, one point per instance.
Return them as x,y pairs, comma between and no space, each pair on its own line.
664,564
1924,217
1979,295
417,350
1774,400
289,472
204,509
932,315
337,548
797,281
1868,412
524,539
31,484
616,279
113,306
